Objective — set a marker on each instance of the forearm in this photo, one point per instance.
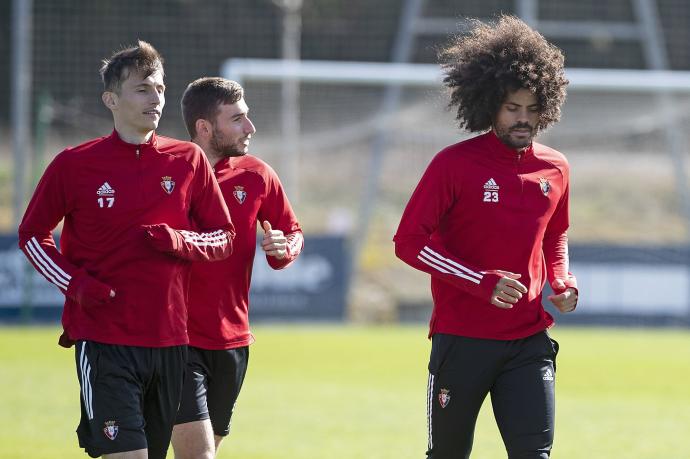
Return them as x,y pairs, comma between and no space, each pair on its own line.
191,245
295,244
555,248
74,282
432,258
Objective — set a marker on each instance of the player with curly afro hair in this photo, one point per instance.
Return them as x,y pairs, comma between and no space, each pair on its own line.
481,68
488,222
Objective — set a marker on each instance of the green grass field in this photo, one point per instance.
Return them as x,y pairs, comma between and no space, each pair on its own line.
359,392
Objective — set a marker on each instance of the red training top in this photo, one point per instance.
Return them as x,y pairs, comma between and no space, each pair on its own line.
219,295
107,190
482,206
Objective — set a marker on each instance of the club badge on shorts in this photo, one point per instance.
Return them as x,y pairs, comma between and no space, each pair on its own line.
444,397
545,185
168,184
111,429
240,194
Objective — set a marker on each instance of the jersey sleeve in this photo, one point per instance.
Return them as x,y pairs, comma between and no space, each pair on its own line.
47,207
434,196
210,214
555,244
277,210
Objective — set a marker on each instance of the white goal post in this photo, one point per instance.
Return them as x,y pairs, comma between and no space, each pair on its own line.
336,72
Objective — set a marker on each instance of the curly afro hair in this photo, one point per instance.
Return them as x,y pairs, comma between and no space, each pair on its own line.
482,67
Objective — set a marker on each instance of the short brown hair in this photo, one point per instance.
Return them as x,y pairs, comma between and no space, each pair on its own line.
202,98
142,58
484,66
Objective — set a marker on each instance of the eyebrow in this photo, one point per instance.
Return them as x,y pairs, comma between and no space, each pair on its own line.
146,84
519,105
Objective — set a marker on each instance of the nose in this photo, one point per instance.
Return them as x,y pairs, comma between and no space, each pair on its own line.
249,126
523,116
157,97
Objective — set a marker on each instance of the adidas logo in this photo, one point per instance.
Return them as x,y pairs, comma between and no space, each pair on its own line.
491,185
105,190
548,375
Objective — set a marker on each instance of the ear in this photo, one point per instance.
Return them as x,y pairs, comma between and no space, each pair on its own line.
203,128
109,99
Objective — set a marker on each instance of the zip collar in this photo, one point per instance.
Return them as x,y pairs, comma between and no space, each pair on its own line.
133,148
503,152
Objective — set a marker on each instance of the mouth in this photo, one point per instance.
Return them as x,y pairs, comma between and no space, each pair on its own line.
521,131
153,112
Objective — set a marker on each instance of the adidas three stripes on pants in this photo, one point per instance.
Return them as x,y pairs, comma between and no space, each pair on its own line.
519,375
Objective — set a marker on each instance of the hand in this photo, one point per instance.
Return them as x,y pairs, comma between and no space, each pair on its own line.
65,341
508,290
566,301
274,242
89,291
162,237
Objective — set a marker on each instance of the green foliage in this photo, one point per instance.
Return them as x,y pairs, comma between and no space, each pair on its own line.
351,392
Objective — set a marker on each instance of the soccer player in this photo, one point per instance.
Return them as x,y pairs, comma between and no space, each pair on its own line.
130,202
488,222
216,116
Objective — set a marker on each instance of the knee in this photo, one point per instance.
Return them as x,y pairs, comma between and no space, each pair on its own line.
205,454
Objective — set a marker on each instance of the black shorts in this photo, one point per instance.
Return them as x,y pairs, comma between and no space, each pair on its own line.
212,384
129,397
519,375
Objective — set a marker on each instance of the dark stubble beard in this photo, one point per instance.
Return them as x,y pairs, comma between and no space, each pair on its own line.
222,149
504,136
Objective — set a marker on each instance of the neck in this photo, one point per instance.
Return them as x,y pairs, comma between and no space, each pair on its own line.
213,157
133,137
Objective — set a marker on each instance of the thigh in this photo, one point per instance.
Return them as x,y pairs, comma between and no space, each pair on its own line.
112,420
162,398
225,383
193,403
523,399
461,371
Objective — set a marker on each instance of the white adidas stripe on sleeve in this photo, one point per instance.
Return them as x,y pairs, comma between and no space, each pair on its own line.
294,241
46,265
454,263
214,239
447,266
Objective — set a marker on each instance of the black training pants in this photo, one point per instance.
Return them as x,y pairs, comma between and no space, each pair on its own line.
519,375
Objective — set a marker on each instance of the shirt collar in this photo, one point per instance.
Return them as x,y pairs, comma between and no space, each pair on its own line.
498,147
151,143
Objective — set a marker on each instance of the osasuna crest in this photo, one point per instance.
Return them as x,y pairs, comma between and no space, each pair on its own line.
545,185
444,397
110,430
240,194
168,184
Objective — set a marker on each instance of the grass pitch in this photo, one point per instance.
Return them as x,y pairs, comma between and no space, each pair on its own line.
359,392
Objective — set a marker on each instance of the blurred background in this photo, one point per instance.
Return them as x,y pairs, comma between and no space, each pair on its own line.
349,110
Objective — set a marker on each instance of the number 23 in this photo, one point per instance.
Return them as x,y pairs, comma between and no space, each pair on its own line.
491,196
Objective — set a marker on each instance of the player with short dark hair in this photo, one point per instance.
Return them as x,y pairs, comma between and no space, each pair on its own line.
488,221
137,209
217,118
